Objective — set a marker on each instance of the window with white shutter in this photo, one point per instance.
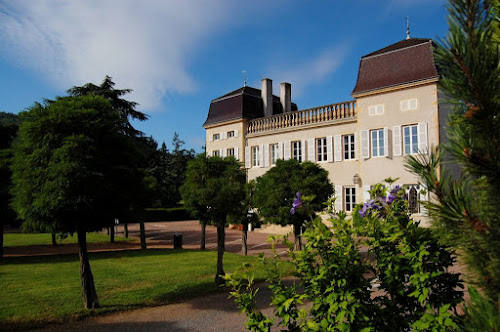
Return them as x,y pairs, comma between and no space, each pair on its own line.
376,109
266,155
410,139
337,149
321,149
386,142
286,150
248,161
329,149
422,137
236,133
338,198
236,153
409,104
349,146
310,149
396,140
365,144
261,156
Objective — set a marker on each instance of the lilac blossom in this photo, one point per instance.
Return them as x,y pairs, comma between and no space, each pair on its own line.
297,203
393,195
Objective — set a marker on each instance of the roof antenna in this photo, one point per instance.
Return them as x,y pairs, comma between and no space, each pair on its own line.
407,27
244,77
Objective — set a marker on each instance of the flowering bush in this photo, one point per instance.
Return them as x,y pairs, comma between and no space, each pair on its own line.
401,284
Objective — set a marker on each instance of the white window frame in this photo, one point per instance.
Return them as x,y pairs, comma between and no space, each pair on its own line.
216,137
230,134
255,156
349,148
376,109
321,149
377,146
297,150
413,139
350,193
230,152
216,153
409,104
275,153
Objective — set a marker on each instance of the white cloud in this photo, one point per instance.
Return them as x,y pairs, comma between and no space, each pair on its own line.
143,45
305,73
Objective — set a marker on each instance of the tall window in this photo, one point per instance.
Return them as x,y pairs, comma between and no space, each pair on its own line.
274,153
216,153
321,153
255,156
378,148
216,137
413,192
410,139
349,198
349,146
230,152
297,150
230,134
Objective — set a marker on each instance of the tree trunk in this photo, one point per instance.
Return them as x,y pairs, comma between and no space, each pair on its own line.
244,237
220,252
203,234
112,234
1,240
125,230
54,240
89,294
297,229
143,235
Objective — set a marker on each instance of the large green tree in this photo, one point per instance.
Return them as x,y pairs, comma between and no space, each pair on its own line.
9,124
74,170
214,189
465,210
277,189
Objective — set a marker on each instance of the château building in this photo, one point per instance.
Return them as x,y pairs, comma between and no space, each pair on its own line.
395,112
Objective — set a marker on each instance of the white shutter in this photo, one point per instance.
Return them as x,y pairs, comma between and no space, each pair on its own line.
280,150
422,137
366,193
210,138
337,149
386,142
223,153
261,155
339,195
248,162
236,153
286,149
266,155
236,133
372,110
310,150
365,144
329,150
413,104
223,135
396,140
355,146
424,198
303,150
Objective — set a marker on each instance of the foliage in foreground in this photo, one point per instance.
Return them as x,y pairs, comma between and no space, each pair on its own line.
403,283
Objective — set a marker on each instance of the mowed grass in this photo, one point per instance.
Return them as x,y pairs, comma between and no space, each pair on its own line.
29,239
35,291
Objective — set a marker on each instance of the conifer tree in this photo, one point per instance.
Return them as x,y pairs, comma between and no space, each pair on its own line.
465,210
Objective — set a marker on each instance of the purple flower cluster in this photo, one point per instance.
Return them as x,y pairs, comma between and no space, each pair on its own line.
297,203
378,203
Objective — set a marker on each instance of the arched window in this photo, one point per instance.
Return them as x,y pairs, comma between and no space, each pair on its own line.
413,200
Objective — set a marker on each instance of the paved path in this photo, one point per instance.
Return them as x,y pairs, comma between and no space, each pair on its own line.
210,313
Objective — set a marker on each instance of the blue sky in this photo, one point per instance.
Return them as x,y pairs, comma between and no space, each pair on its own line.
178,55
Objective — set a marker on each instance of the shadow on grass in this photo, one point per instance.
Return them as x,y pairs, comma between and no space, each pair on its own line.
72,257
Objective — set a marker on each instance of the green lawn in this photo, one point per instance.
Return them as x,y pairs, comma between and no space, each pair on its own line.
28,239
38,290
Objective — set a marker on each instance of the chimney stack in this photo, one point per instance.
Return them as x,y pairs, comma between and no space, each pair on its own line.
286,96
267,96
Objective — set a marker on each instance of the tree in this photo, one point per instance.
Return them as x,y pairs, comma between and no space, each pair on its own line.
126,108
214,189
277,189
74,171
9,124
465,210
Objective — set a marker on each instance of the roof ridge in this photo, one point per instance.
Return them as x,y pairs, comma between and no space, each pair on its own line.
379,52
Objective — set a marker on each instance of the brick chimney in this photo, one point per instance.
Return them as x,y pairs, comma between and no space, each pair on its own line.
286,96
267,96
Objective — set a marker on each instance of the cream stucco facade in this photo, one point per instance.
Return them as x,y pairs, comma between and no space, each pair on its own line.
360,142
